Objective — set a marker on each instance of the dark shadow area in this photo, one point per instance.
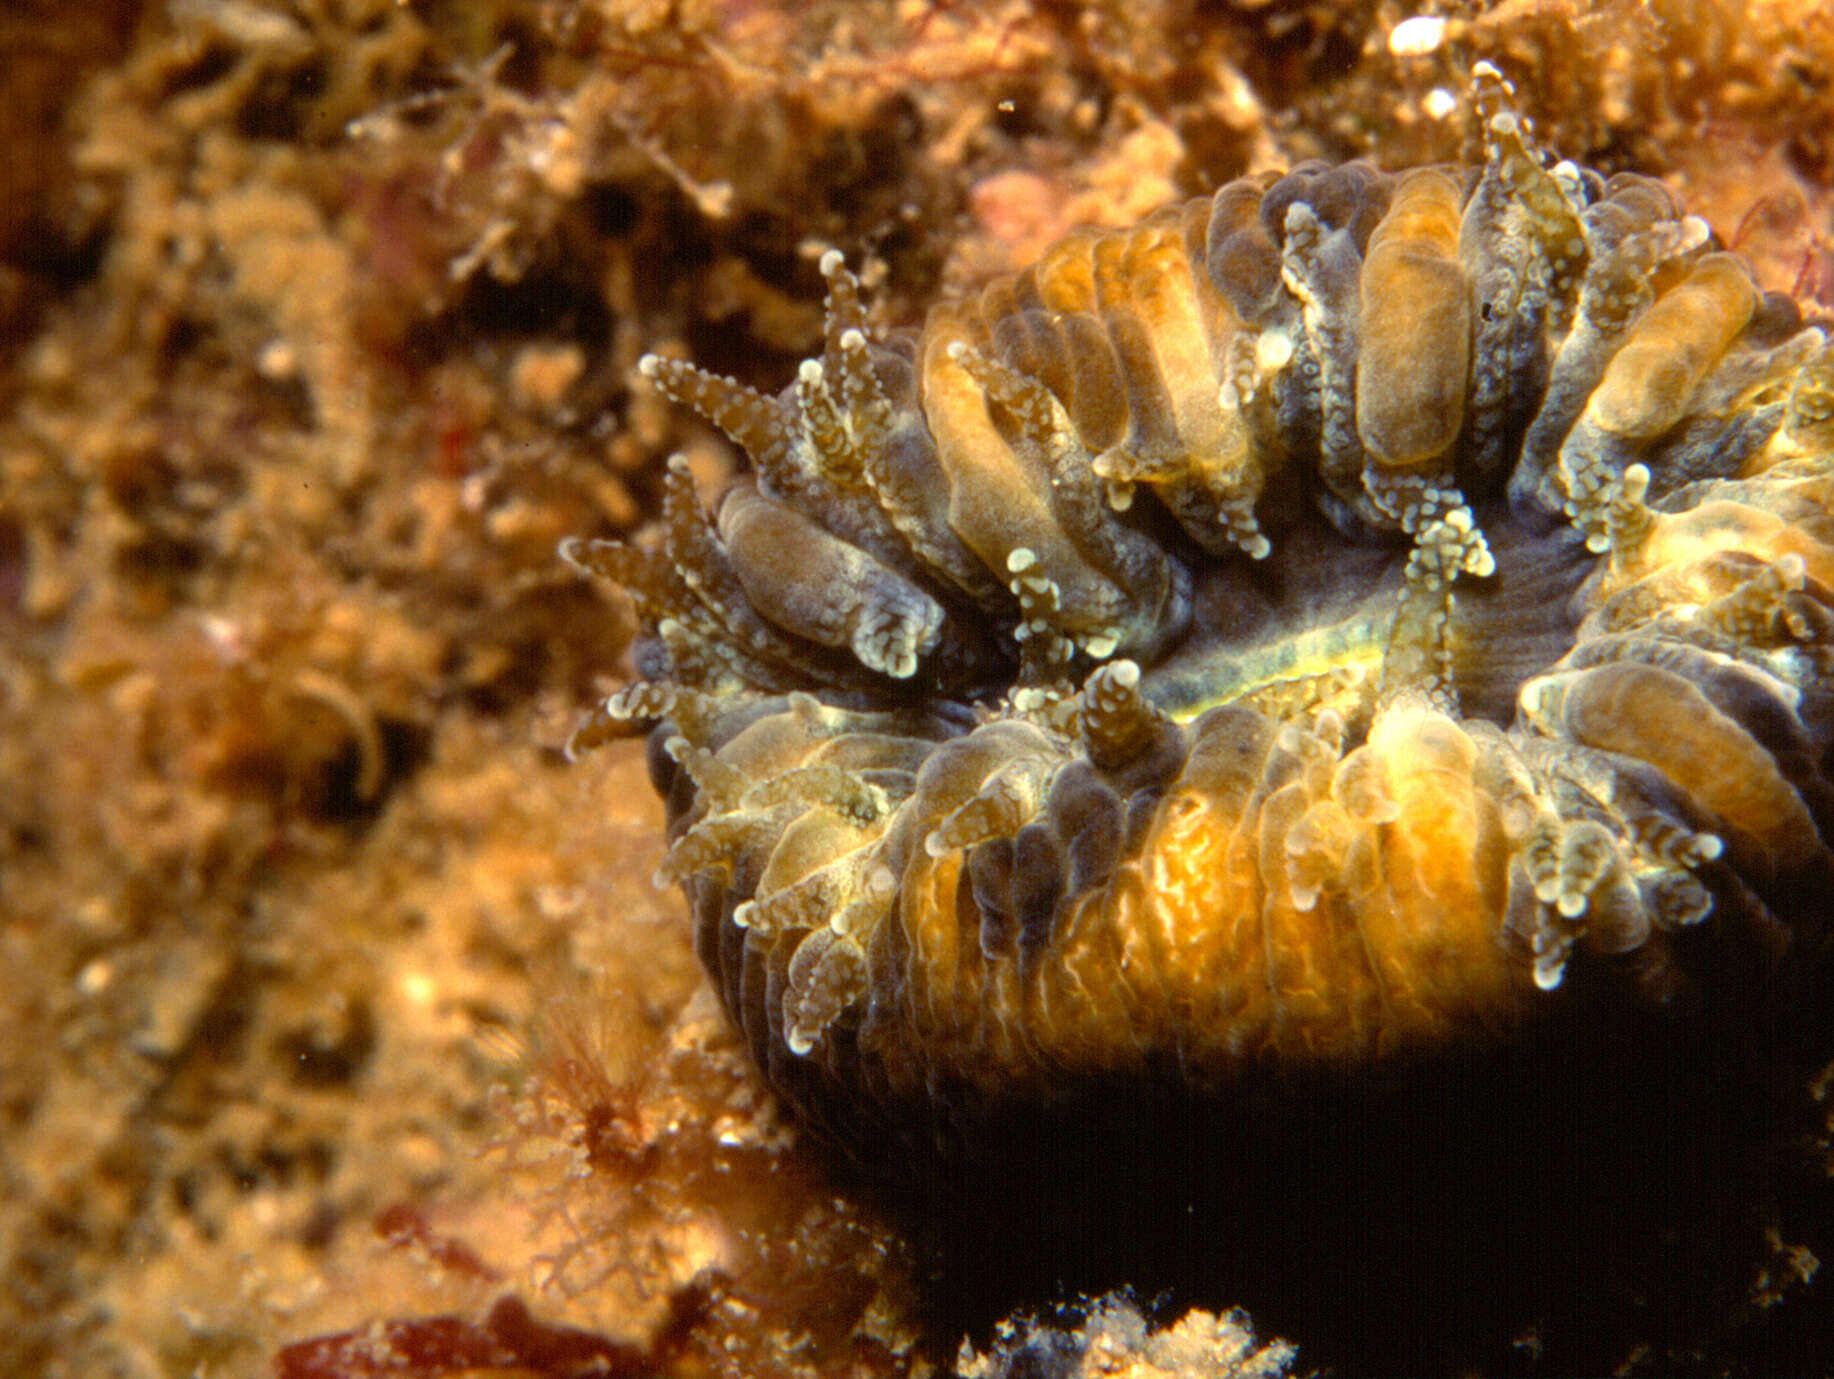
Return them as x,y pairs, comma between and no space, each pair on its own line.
1594,1197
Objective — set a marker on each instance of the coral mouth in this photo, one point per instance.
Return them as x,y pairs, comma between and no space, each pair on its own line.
1312,623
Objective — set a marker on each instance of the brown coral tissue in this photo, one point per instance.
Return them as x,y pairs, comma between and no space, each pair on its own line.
1282,753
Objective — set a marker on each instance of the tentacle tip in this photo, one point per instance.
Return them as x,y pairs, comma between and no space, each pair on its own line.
1273,350
1550,971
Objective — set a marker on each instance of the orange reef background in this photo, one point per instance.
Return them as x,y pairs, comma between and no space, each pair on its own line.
335,1000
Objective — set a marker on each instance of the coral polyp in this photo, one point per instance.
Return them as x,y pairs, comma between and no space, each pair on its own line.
1289,635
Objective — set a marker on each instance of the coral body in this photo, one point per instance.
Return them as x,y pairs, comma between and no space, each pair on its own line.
1283,636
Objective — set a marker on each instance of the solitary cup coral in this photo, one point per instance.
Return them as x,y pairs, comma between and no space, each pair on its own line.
1289,634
